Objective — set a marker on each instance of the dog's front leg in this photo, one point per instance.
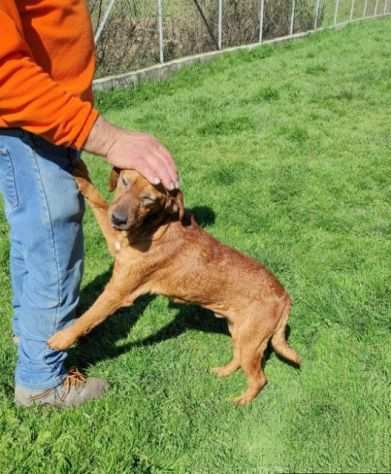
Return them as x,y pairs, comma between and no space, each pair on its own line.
100,208
97,203
108,302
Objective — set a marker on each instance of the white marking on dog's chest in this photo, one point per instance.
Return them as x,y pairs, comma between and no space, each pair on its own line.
117,245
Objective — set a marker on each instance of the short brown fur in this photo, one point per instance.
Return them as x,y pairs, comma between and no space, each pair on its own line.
158,250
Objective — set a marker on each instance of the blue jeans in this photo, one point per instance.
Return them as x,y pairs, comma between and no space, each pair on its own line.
44,210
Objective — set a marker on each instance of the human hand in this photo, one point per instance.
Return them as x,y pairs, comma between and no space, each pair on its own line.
133,150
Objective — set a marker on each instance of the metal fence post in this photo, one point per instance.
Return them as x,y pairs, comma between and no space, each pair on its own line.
261,14
376,7
336,12
220,35
316,14
365,8
352,10
160,23
385,6
104,21
292,24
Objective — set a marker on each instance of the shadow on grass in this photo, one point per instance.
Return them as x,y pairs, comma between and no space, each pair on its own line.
203,215
101,345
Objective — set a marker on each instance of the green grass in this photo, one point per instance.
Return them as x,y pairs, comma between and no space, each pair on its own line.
285,154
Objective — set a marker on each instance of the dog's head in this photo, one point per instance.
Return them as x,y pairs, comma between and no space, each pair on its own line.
136,199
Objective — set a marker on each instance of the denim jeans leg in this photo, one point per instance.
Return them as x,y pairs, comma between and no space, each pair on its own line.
18,272
44,210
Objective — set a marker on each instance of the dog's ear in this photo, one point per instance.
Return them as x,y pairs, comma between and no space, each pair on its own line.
113,179
177,205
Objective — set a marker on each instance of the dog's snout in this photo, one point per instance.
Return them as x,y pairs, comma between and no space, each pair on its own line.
119,218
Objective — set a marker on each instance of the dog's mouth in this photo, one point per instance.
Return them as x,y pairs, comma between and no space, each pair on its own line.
120,226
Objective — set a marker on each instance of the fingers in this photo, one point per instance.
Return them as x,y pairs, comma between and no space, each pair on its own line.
157,164
148,172
164,177
147,155
164,167
154,170
169,161
164,172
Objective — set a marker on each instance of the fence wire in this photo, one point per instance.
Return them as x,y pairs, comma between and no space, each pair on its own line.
134,34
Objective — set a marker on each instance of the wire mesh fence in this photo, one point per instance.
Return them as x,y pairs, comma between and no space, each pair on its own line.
134,34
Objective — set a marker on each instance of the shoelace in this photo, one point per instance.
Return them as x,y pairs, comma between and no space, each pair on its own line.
73,379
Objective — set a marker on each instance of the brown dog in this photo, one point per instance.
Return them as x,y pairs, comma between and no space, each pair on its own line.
160,250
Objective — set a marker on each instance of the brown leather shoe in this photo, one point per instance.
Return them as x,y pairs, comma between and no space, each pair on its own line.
72,392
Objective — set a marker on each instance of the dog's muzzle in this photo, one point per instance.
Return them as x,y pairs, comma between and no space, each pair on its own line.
119,219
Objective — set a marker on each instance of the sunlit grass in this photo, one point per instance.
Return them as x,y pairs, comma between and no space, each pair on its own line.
284,153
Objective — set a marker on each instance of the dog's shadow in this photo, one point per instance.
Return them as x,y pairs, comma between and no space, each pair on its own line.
101,344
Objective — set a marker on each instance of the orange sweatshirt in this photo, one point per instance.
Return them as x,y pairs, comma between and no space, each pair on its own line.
47,63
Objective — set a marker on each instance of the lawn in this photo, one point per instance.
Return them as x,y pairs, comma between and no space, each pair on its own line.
284,153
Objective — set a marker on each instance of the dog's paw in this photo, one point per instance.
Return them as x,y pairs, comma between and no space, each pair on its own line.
226,370
61,341
244,399
221,371
83,184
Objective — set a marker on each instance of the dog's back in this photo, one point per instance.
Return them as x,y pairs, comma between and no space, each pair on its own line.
203,270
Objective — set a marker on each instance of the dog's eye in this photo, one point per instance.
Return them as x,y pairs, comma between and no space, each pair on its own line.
147,200
124,180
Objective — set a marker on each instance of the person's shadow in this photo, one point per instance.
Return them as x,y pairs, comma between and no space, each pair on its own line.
101,343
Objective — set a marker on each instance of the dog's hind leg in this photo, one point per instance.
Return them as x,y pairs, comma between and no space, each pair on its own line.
234,365
250,361
253,336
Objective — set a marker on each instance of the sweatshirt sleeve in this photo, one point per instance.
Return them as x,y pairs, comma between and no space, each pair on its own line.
29,98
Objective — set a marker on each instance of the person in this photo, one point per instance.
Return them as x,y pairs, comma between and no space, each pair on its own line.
47,116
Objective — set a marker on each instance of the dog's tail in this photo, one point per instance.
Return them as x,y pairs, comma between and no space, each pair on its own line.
278,341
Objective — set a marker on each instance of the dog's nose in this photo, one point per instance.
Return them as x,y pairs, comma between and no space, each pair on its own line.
119,218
